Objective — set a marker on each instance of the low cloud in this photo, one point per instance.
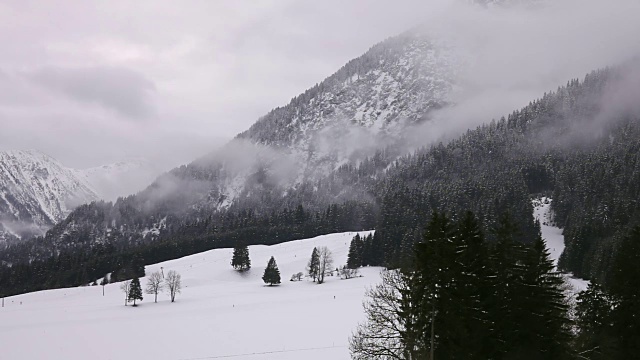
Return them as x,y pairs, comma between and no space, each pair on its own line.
125,91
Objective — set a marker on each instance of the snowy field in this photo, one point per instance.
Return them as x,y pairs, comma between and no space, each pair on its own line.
221,314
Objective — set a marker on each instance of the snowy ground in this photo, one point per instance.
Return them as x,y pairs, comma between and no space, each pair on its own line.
554,238
220,313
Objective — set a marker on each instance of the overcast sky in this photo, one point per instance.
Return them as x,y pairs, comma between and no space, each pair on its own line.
92,82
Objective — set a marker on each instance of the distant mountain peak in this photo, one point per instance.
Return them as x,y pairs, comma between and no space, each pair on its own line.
37,191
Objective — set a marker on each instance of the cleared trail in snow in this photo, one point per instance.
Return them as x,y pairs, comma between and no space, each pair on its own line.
554,238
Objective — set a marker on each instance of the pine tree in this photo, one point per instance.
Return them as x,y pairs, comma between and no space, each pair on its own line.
240,260
354,258
542,306
505,282
625,288
594,309
135,291
436,285
271,273
472,288
367,250
313,267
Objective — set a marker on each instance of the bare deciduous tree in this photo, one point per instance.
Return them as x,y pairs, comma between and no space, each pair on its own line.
173,284
347,273
380,337
154,284
125,288
326,262
297,277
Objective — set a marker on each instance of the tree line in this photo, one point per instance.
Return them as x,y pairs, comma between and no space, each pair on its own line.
464,297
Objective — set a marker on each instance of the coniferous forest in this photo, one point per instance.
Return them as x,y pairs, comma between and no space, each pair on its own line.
463,297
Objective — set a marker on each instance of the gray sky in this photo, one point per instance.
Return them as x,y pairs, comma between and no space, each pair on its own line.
92,82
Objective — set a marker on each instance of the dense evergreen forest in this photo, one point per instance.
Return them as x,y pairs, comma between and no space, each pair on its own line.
463,297
492,170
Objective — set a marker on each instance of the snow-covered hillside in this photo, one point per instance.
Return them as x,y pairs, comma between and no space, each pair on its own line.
220,313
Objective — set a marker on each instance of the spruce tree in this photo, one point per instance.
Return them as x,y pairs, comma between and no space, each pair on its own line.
271,273
542,306
505,282
596,339
354,258
433,294
625,288
313,267
135,291
240,260
367,250
472,288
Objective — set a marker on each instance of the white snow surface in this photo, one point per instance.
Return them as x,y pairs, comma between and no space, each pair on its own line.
220,314
554,238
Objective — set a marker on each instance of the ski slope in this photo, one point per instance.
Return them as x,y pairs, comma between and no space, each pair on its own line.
221,314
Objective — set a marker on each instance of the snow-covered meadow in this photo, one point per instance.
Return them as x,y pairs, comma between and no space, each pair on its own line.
220,314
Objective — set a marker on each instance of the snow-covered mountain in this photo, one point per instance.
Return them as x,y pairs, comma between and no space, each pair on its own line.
369,104
37,191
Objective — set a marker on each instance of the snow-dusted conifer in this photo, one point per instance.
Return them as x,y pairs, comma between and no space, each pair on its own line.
271,273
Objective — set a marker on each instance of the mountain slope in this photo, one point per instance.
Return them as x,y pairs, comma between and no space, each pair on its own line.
37,191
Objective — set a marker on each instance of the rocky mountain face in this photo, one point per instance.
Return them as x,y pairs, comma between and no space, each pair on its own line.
367,105
37,191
